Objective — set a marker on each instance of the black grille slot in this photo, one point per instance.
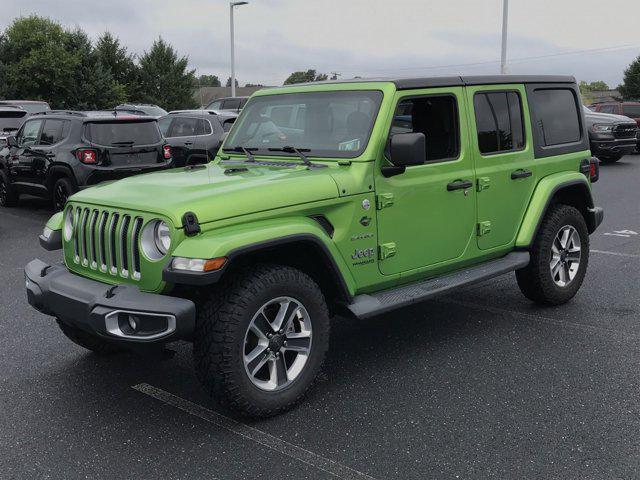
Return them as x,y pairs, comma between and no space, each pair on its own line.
102,245
83,232
113,244
124,251
92,238
135,246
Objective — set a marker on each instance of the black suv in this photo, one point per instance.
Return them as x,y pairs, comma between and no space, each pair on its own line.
58,152
195,135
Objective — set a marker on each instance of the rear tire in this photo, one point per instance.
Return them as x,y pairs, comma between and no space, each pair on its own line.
62,189
251,365
88,341
8,196
559,257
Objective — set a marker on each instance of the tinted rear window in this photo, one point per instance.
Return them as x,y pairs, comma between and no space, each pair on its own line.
632,111
121,133
558,116
11,120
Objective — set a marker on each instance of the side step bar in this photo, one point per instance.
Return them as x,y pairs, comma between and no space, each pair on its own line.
367,305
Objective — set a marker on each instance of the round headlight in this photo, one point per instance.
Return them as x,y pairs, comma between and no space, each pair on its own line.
155,239
68,224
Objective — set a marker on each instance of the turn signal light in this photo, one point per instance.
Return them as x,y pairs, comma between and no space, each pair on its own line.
87,156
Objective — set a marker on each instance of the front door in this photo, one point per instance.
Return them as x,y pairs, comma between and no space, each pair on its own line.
21,162
504,160
426,215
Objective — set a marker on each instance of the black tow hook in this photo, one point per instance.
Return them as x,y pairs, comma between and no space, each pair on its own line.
111,292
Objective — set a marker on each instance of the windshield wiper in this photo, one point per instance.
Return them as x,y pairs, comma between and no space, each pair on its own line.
246,150
297,151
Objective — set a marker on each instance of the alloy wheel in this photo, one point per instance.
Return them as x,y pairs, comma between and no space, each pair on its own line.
566,252
277,344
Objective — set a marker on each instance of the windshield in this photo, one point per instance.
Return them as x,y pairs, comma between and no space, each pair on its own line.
328,124
121,133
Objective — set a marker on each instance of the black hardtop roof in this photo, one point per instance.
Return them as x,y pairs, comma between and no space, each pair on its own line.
95,116
453,81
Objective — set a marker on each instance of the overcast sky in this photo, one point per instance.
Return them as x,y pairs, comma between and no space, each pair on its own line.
365,37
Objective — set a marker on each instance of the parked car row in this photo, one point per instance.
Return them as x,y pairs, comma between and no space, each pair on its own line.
56,153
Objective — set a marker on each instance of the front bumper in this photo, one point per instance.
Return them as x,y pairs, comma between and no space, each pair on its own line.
618,146
108,311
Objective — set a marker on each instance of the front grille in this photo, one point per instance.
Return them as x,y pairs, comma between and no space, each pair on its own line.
625,130
107,241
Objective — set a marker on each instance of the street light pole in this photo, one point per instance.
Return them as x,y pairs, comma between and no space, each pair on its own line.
505,18
233,60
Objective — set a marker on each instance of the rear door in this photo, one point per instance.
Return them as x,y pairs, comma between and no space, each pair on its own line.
504,161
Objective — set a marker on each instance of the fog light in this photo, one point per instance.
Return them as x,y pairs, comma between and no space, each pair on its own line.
133,322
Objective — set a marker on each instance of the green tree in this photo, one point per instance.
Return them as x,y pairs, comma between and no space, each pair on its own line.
630,88
40,60
303,77
208,81
228,84
598,85
165,79
115,59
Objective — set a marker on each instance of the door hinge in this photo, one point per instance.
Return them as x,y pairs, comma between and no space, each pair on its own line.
384,200
483,183
387,250
484,228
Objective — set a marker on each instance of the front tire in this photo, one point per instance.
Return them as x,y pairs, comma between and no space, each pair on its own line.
559,257
261,339
62,189
88,341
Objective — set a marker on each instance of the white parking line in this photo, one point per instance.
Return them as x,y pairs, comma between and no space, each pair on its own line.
617,254
298,453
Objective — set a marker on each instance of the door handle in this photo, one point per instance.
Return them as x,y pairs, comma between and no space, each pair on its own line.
521,173
188,143
459,185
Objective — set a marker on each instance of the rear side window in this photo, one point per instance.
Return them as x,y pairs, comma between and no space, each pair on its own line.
52,132
499,122
437,118
226,126
183,127
558,116
215,105
231,104
632,111
203,127
122,133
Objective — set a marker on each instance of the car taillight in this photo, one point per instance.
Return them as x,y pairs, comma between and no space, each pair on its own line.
166,151
87,156
594,169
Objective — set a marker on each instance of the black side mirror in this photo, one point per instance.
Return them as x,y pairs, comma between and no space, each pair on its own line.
406,149
11,141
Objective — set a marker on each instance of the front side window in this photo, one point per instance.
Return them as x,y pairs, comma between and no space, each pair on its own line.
436,117
607,109
499,122
231,104
632,111
558,115
215,105
29,134
327,124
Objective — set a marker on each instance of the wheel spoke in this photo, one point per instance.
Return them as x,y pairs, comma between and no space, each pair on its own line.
261,326
573,255
564,238
562,274
556,269
554,261
285,315
298,344
280,371
256,359
567,272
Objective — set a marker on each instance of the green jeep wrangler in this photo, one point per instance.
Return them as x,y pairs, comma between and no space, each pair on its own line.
350,197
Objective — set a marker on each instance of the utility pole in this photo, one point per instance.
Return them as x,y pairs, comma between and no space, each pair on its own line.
233,60
505,18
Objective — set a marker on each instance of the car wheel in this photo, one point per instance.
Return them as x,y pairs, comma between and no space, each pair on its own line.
88,341
261,339
8,196
62,190
559,258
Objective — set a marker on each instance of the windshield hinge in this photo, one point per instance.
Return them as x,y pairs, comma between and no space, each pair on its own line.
384,200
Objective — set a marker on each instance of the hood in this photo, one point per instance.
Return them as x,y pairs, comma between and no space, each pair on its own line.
214,192
597,117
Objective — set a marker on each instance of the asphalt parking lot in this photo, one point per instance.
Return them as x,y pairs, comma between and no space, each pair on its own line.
482,384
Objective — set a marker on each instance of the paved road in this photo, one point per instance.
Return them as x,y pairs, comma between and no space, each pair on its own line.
482,384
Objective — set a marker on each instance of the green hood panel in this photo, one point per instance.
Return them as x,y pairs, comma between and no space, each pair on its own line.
211,193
